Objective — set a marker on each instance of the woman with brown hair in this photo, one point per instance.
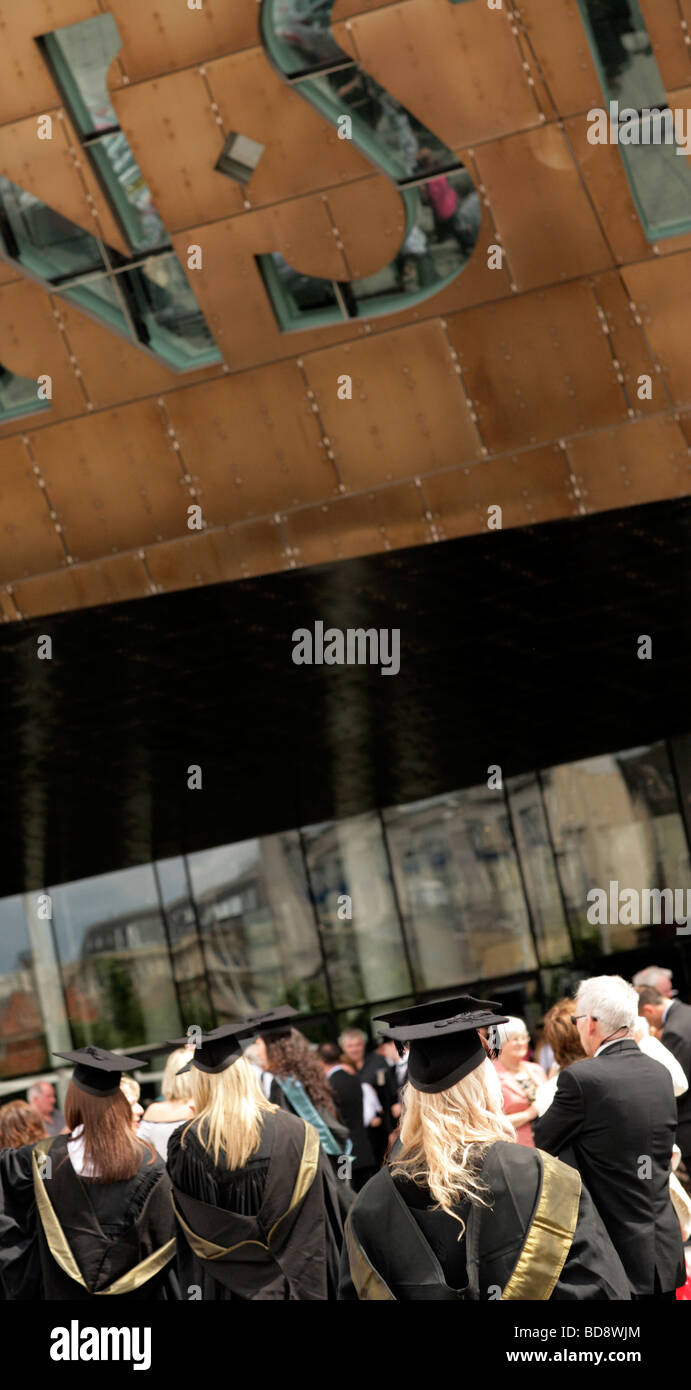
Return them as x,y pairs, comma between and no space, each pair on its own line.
562,1036
87,1212
20,1124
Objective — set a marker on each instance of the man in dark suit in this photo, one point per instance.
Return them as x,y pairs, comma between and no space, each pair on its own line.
613,1118
672,1022
347,1089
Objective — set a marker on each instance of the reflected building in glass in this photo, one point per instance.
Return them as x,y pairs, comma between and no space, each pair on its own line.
480,889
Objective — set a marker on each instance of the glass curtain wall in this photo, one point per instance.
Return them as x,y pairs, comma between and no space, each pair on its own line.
486,890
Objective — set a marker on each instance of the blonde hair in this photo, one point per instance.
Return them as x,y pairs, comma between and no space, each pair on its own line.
444,1136
130,1088
174,1086
230,1110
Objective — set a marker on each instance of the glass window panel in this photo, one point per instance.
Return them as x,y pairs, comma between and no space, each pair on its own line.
443,224
46,243
240,157
18,396
162,301
659,176
100,297
538,868
257,924
298,34
615,820
23,1041
299,301
131,196
364,952
81,55
391,135
114,958
185,946
459,888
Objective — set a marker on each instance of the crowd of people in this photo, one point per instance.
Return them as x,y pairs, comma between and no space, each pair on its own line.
453,1160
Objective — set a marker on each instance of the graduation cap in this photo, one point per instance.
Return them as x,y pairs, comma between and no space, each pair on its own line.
97,1071
274,1023
443,1038
217,1050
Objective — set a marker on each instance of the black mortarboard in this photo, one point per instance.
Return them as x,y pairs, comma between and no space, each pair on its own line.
97,1071
274,1023
217,1050
443,1038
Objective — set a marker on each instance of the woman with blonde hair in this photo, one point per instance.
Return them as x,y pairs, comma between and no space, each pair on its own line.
163,1117
462,1210
256,1215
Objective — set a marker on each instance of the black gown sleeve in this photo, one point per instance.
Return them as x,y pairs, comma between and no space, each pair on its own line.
20,1271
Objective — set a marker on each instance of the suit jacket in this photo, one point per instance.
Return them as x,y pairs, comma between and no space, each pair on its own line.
611,1113
676,1035
348,1092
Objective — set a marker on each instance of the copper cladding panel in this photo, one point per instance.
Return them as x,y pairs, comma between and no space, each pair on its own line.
538,367
29,541
113,479
176,140
645,460
667,38
216,557
159,38
26,82
352,526
632,356
31,344
530,487
408,413
547,225
252,444
557,37
661,290
110,580
457,67
253,100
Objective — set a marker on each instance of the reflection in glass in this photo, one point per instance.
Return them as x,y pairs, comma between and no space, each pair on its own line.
81,55
539,874
163,303
114,958
391,135
133,201
444,219
99,296
46,243
185,947
23,1042
355,904
659,176
300,301
257,924
615,819
459,887
18,395
299,34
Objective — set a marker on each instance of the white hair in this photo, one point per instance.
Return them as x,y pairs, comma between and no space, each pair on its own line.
510,1029
610,1000
35,1091
351,1033
651,975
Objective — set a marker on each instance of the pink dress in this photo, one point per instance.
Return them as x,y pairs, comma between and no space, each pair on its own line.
515,1099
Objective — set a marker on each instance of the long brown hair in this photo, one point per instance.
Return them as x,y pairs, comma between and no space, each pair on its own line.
20,1124
293,1056
112,1151
562,1035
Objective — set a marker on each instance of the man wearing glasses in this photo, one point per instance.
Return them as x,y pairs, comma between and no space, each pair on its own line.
613,1118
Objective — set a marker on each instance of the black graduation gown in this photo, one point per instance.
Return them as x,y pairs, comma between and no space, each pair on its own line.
69,1237
397,1250
341,1191
271,1230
